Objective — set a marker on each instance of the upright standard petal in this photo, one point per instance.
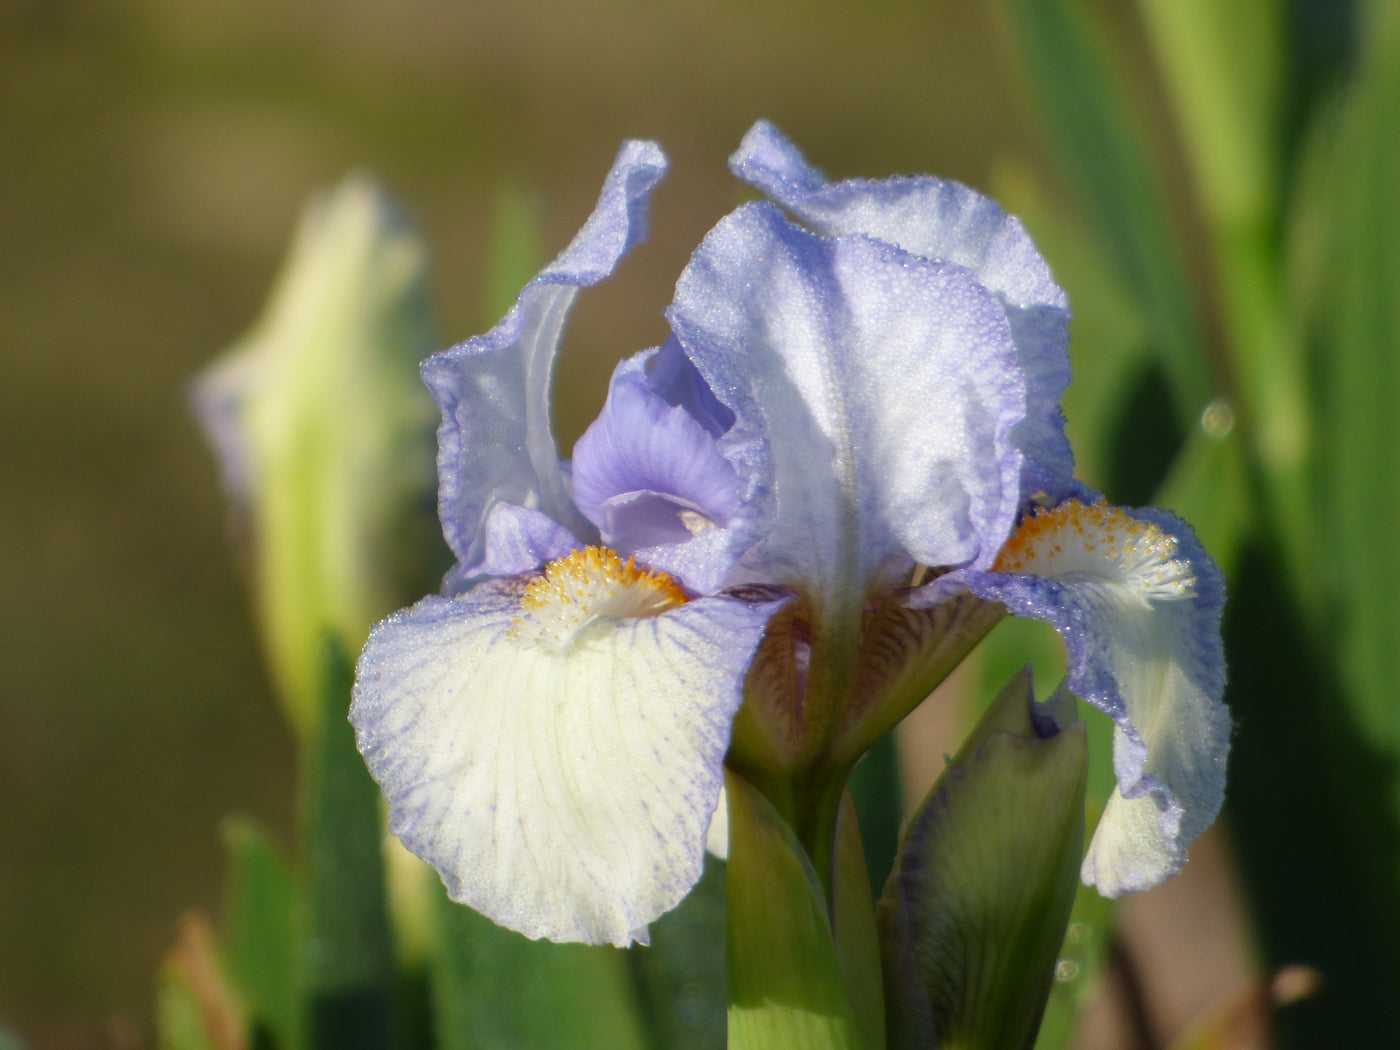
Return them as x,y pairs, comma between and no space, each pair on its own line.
874,394
554,744
948,222
648,472
518,539
495,443
1137,601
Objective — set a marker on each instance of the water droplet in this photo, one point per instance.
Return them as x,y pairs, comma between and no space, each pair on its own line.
1218,419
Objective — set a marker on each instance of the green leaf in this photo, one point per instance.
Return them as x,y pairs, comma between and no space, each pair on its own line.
1223,68
1362,351
1315,681
973,916
495,990
879,799
1225,77
179,1019
785,984
1080,958
680,976
857,941
1209,486
348,956
1108,342
263,925
1080,98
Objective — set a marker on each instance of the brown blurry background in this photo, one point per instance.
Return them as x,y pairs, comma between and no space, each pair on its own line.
153,158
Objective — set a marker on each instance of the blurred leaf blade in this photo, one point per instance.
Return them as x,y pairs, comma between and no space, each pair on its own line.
264,927
680,976
495,990
1223,65
1208,485
1108,339
1362,348
514,255
1314,660
348,953
1229,81
1358,497
1078,96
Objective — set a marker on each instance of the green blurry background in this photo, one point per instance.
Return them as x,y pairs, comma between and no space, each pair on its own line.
154,155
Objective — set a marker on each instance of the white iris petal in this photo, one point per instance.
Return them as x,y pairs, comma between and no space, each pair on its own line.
563,790
1138,604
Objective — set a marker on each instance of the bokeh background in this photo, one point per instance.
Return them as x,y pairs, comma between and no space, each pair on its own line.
154,156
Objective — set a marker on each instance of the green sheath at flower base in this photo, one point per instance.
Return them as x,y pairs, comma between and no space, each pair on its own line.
974,913
853,923
324,433
785,984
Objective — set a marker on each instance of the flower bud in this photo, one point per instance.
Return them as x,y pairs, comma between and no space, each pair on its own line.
323,432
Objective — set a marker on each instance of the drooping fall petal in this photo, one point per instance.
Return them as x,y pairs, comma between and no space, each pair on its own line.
1137,601
554,744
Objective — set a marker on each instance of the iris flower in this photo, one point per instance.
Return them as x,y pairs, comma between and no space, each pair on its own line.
843,465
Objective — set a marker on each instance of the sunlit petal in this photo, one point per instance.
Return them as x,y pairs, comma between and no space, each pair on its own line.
555,748
496,444
874,395
518,539
945,221
650,475
1137,601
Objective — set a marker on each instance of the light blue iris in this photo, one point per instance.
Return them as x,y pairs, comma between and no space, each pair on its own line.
838,403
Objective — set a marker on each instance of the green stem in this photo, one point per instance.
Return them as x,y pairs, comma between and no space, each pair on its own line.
818,798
